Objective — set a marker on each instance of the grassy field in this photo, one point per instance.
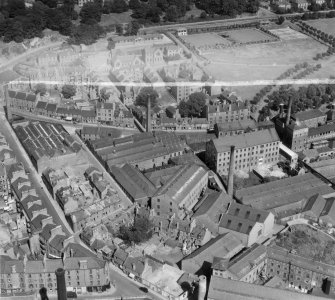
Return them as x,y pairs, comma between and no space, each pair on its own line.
202,39
116,18
325,25
248,35
309,243
259,62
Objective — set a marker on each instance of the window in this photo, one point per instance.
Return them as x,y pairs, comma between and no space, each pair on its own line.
158,206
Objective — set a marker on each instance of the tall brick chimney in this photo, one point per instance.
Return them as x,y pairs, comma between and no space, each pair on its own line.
61,287
230,189
288,116
149,114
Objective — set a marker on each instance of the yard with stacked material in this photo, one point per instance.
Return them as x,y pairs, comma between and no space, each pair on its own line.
308,243
265,61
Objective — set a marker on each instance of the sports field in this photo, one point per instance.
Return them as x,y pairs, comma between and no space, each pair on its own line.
325,25
259,61
248,35
288,34
205,39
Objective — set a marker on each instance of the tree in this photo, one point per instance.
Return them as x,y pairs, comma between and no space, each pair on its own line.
41,89
145,93
203,15
86,34
68,91
90,11
141,231
119,6
134,4
281,20
133,28
171,13
196,103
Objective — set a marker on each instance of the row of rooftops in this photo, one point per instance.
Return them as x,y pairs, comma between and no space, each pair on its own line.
138,147
220,108
84,113
40,139
22,96
35,208
25,266
175,181
275,194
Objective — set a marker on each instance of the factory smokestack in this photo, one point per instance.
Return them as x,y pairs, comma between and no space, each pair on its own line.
281,110
149,115
202,287
288,117
61,287
231,171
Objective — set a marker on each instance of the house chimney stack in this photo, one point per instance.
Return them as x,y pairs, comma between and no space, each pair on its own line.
61,287
149,115
231,171
288,117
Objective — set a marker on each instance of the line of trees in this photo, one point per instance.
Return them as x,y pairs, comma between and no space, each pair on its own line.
317,33
230,8
305,97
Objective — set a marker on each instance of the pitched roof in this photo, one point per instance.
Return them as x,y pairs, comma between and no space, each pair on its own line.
246,140
222,246
133,181
179,186
315,204
308,114
321,129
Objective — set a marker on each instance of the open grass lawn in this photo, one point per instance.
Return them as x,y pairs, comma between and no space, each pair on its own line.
203,39
116,18
259,62
248,35
309,243
325,25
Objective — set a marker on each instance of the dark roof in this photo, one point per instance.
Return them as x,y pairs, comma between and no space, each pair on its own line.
278,193
133,181
51,107
88,113
308,114
321,129
315,205
41,105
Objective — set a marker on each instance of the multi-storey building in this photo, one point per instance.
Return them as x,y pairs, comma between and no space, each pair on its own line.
182,192
310,118
82,274
249,223
247,266
298,271
21,100
181,91
251,150
113,113
223,113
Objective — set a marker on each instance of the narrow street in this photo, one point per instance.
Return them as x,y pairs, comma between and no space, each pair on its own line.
52,206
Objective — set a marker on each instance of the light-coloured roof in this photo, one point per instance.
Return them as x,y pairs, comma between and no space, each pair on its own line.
246,140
